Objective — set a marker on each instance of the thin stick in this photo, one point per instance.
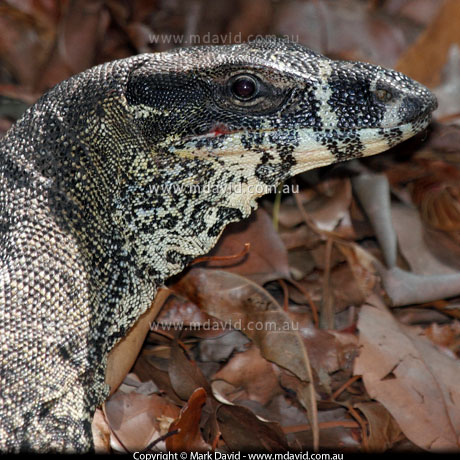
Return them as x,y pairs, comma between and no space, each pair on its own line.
311,303
344,387
240,255
321,425
285,295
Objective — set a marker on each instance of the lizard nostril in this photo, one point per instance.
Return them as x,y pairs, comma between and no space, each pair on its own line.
411,107
383,95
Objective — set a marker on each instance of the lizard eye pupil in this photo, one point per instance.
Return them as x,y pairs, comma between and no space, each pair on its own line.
244,87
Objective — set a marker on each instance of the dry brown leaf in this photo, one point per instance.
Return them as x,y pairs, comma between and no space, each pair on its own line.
330,210
244,431
299,237
349,283
415,382
384,432
267,257
447,335
329,352
413,245
184,374
135,418
301,262
361,265
220,349
327,205
373,192
424,60
149,367
252,375
180,314
124,354
437,197
101,433
188,438
338,431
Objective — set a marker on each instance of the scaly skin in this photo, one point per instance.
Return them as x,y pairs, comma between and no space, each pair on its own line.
90,226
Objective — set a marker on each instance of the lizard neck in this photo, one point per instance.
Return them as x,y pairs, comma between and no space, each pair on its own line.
175,214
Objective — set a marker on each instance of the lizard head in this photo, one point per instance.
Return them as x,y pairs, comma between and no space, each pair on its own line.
273,108
236,119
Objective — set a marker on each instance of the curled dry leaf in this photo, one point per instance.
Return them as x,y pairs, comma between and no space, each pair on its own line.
405,288
412,378
101,433
447,335
437,197
330,210
188,437
373,191
123,355
413,245
361,264
327,207
384,432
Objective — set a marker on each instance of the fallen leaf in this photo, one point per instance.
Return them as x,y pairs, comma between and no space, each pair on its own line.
415,382
135,418
124,354
188,438
413,245
244,431
184,374
384,432
373,191
254,377
267,258
101,433
425,59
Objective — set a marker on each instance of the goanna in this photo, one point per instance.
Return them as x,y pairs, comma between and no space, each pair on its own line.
118,177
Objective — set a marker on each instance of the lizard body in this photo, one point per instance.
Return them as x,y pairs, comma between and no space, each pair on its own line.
118,177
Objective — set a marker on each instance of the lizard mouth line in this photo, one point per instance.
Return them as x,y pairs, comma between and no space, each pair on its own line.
222,133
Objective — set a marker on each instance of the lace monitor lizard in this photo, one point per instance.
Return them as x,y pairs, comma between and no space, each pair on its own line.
118,177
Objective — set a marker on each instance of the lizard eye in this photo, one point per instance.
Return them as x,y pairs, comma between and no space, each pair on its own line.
244,87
